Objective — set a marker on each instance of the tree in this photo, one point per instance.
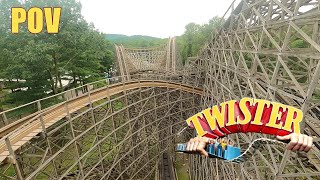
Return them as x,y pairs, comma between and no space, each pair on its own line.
196,35
41,61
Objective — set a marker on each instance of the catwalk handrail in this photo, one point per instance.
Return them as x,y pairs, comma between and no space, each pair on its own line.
45,118
63,96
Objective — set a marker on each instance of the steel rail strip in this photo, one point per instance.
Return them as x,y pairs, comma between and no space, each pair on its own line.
26,133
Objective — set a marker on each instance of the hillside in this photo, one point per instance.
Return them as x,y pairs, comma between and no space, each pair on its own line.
135,41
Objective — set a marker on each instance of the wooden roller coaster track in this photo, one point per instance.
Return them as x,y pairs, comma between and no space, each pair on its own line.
21,134
267,49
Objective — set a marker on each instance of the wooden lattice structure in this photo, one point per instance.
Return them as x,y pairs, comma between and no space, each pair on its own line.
126,127
162,59
266,50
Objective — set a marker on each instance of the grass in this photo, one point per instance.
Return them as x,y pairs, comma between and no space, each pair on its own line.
118,105
66,159
182,167
3,94
9,172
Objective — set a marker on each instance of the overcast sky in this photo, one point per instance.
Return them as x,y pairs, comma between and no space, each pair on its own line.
158,18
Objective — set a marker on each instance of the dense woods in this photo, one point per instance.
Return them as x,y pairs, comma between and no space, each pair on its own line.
36,66
189,43
33,66
195,36
135,41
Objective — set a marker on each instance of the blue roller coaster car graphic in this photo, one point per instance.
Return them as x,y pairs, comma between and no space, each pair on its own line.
216,151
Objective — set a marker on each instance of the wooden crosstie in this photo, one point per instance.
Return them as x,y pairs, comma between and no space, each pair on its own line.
21,134
267,50
120,129
45,119
162,59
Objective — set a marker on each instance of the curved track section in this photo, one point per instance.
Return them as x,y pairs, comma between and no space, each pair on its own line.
162,59
266,49
115,132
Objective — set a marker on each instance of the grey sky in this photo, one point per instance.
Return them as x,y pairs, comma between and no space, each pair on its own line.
158,18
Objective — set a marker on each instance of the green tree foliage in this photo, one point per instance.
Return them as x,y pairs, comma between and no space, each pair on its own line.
43,60
195,36
135,41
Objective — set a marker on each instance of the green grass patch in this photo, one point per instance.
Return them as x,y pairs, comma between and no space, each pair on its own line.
182,167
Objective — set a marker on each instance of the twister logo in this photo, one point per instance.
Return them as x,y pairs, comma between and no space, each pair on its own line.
247,115
36,19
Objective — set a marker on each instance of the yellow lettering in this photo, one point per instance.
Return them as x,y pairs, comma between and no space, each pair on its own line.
35,20
18,15
260,108
196,124
52,20
244,109
231,118
218,116
276,115
209,118
295,121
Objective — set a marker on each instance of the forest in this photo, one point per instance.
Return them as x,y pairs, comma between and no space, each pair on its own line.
136,40
195,36
189,43
36,66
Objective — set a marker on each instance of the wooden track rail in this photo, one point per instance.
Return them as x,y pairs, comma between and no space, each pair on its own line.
33,126
266,49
